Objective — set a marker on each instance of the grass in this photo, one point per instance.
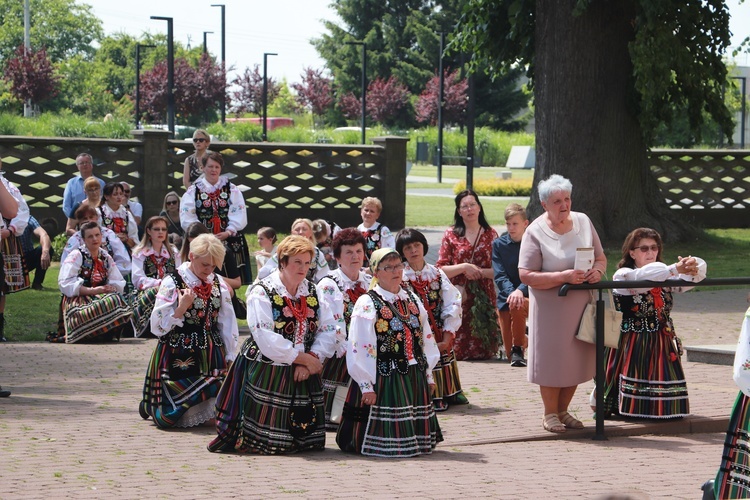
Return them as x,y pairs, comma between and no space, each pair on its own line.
459,172
423,211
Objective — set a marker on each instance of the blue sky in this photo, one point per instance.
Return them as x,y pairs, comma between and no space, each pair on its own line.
257,26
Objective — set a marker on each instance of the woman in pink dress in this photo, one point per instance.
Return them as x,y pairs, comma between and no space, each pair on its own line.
466,258
558,361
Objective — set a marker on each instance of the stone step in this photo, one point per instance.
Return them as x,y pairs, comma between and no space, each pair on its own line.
720,354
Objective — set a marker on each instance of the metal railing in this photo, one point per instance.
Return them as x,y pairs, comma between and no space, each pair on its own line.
608,285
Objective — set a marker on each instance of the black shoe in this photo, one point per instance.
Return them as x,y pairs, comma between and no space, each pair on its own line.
4,394
516,357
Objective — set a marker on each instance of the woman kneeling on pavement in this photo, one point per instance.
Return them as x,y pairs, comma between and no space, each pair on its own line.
93,306
388,411
272,401
198,337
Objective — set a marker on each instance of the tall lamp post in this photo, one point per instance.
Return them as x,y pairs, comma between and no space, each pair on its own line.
265,93
743,79
223,59
205,44
138,47
364,85
441,98
170,71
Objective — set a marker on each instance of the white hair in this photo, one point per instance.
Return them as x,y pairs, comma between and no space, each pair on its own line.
555,183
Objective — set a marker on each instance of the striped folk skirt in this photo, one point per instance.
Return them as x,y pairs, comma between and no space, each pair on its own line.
334,375
143,305
733,478
644,378
252,409
447,382
92,316
401,423
181,384
16,275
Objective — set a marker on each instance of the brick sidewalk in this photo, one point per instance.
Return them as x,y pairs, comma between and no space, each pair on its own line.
71,429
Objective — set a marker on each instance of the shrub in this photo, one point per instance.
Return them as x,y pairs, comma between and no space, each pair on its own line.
498,187
9,124
58,245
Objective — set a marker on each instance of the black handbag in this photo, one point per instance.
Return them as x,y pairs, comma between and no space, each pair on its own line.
239,306
303,418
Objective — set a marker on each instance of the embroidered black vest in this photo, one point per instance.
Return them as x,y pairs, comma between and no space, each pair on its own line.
372,242
433,301
349,300
109,222
151,270
206,207
640,313
391,329
87,268
199,322
285,324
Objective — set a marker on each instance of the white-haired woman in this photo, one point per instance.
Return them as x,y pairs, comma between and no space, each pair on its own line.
558,362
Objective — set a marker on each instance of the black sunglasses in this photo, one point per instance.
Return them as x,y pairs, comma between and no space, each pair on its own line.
199,139
173,202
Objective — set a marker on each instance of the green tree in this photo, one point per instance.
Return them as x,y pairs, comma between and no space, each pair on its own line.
605,74
64,28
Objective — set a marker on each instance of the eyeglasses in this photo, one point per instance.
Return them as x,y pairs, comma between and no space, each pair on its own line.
390,269
199,139
468,206
160,229
126,192
173,202
646,248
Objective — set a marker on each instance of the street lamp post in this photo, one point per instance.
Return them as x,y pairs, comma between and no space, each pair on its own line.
138,47
743,79
364,86
205,44
265,93
223,59
441,98
170,71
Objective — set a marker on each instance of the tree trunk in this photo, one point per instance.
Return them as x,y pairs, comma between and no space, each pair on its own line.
586,124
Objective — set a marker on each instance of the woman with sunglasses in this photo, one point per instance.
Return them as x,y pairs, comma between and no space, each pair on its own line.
644,376
153,259
171,211
193,164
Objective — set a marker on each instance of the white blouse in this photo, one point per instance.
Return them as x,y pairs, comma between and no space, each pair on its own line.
332,298
17,224
319,263
387,239
657,271
140,280
361,354
121,257
163,320
237,213
452,310
69,281
741,370
260,320
121,213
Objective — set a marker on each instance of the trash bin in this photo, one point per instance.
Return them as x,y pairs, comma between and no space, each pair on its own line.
423,151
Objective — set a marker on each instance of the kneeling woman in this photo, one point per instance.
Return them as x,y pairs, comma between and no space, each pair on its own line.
279,364
93,304
391,354
194,320
153,259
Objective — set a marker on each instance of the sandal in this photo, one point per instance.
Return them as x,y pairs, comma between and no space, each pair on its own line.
551,423
569,420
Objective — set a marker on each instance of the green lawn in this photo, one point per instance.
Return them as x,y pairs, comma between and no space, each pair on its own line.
458,172
422,211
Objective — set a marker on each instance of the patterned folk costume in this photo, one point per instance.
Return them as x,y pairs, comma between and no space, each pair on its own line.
392,352
443,304
318,267
733,477
220,207
149,269
644,376
252,409
16,274
376,236
121,221
190,360
338,293
91,317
